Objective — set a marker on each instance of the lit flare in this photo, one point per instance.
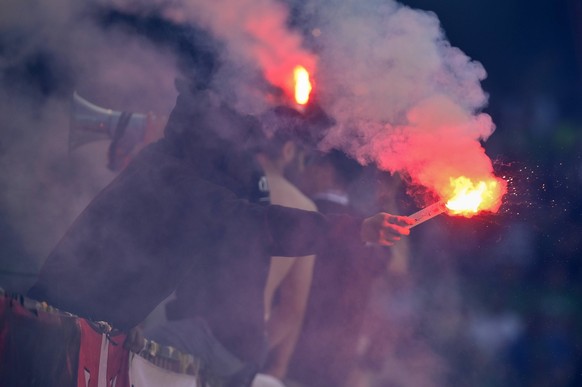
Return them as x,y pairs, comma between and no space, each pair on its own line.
467,198
302,85
470,197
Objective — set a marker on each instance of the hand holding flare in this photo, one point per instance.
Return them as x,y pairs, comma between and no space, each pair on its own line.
385,229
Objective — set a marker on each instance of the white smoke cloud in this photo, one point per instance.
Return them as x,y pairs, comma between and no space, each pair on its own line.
404,98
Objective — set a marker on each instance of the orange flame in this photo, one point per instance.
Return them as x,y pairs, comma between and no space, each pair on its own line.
470,197
302,85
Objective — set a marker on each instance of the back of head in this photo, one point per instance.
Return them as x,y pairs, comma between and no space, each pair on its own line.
282,124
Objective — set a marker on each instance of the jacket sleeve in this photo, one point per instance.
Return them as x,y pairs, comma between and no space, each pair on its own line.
294,232
285,231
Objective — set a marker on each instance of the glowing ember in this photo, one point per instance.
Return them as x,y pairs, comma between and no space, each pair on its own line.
302,85
470,197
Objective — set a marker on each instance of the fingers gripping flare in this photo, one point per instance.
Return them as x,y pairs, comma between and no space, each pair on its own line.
385,229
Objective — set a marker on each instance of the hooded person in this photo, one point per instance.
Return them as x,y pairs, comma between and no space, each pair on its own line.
228,333
178,208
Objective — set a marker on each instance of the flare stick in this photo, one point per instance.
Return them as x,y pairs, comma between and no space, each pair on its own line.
428,213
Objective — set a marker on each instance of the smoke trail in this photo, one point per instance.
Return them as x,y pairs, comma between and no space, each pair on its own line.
256,32
404,98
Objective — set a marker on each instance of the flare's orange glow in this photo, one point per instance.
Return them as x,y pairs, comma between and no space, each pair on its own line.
302,85
470,197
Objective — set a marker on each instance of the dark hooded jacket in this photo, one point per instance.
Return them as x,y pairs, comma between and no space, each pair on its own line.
180,211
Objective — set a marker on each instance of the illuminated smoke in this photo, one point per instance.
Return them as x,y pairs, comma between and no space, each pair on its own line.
256,32
404,98
256,35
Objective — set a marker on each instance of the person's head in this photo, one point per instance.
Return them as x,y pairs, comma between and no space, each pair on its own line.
286,136
203,122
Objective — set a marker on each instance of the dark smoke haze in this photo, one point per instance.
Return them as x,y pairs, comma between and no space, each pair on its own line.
48,50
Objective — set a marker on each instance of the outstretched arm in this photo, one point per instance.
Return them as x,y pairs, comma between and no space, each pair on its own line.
294,232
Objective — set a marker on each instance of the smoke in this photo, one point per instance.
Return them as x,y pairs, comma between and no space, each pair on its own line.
261,50
403,97
256,33
47,51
